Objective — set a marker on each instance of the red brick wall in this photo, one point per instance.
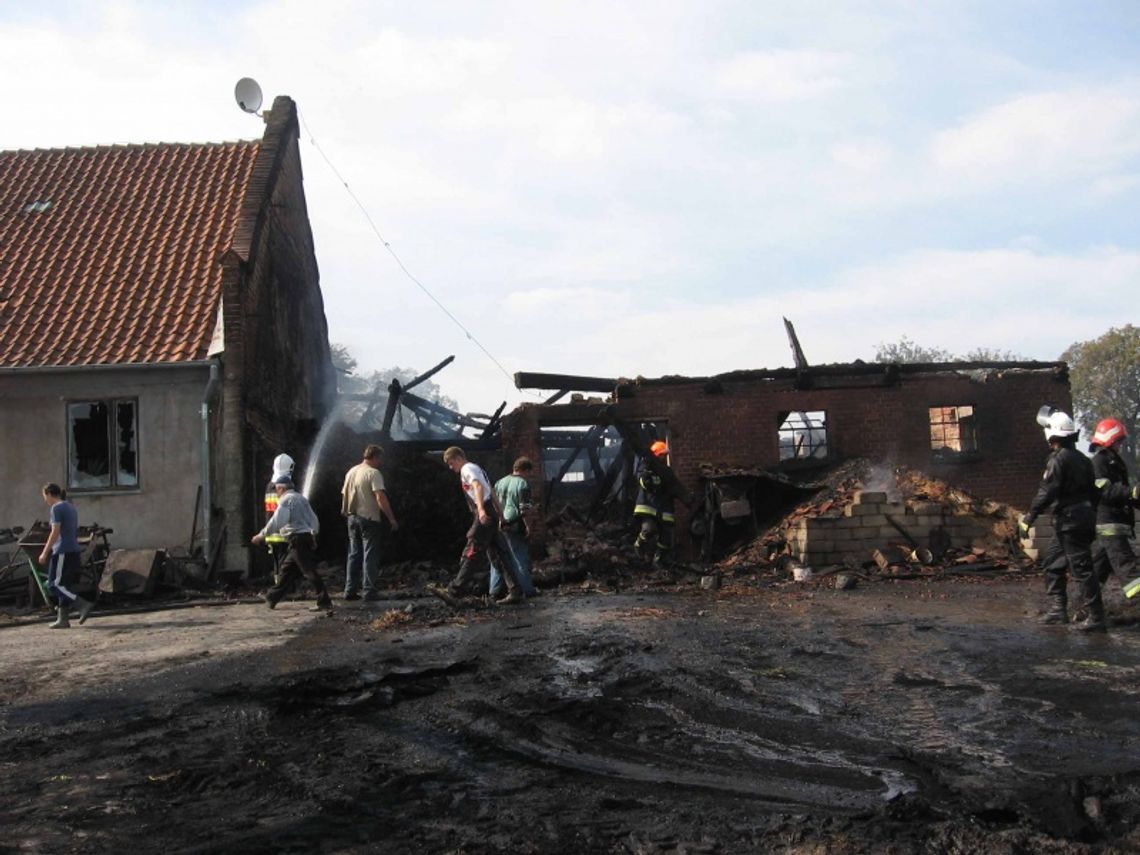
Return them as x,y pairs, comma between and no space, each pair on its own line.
888,424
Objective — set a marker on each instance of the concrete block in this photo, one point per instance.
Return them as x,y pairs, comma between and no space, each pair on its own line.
931,508
864,497
873,521
868,509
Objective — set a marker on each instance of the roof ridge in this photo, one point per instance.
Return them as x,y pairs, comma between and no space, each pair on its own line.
128,146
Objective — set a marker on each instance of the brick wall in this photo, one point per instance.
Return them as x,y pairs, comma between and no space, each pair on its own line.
278,380
734,421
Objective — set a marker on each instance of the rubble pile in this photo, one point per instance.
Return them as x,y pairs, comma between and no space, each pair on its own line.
835,491
910,525
597,556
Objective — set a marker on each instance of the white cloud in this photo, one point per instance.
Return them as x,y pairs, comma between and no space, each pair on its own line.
784,75
1050,134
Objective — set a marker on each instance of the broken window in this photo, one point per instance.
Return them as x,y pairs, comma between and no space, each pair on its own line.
802,435
953,430
102,445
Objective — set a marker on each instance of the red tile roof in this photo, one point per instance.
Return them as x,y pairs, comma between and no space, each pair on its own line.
109,255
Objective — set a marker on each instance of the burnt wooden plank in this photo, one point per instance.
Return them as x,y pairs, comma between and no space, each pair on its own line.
568,382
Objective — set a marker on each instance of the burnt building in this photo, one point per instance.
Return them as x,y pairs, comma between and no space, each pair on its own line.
970,424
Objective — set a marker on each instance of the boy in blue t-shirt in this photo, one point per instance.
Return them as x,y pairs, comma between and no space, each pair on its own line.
61,555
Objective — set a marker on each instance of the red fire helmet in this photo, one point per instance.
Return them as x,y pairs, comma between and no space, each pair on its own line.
1107,432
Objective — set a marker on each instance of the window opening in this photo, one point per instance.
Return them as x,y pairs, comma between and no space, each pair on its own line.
102,445
953,430
588,467
802,435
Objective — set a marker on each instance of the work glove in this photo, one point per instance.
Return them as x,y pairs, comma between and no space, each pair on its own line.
1023,526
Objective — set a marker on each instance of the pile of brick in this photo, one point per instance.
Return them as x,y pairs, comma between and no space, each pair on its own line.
911,524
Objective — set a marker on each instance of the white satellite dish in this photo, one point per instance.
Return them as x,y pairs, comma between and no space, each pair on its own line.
248,95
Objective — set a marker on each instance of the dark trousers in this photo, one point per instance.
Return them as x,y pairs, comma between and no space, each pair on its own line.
1114,553
300,559
474,563
1070,551
654,533
63,570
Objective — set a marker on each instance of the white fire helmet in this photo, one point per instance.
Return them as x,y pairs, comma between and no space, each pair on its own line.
282,465
1060,426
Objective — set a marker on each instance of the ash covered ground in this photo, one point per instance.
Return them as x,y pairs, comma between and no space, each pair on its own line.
926,715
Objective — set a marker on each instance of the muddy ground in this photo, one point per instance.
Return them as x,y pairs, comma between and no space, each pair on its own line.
918,716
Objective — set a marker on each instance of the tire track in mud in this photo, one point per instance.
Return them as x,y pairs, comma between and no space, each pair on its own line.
611,705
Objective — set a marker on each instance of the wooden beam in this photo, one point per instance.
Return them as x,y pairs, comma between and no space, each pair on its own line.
797,351
533,380
493,425
416,381
607,484
556,397
437,412
394,391
634,438
569,461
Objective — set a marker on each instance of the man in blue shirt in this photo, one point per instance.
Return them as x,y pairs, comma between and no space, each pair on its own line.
61,556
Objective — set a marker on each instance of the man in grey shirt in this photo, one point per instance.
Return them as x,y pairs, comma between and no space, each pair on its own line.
295,521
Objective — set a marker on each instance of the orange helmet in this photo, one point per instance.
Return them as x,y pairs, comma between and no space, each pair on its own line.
1107,432
659,448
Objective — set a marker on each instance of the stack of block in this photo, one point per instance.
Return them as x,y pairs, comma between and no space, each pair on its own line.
864,527
1039,536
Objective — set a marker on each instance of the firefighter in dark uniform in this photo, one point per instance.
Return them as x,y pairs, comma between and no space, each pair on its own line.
1068,485
654,510
1115,517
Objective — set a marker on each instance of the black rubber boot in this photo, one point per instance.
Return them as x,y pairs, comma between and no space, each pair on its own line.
1058,612
1093,620
1093,606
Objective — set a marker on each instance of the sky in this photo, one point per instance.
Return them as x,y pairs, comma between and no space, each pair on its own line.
647,188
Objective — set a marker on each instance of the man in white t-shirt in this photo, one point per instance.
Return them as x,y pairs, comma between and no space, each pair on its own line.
363,500
475,561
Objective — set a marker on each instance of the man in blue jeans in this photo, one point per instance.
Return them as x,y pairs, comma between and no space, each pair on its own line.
363,501
513,492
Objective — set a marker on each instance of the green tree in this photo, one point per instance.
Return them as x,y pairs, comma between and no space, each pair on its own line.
1105,377
905,350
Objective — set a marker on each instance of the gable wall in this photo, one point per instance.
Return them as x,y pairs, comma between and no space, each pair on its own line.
278,376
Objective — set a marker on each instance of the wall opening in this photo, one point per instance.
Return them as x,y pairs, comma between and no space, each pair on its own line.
953,431
589,468
802,435
102,445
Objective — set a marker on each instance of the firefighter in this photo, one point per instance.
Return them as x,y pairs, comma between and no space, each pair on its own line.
276,543
1115,517
1067,484
654,509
